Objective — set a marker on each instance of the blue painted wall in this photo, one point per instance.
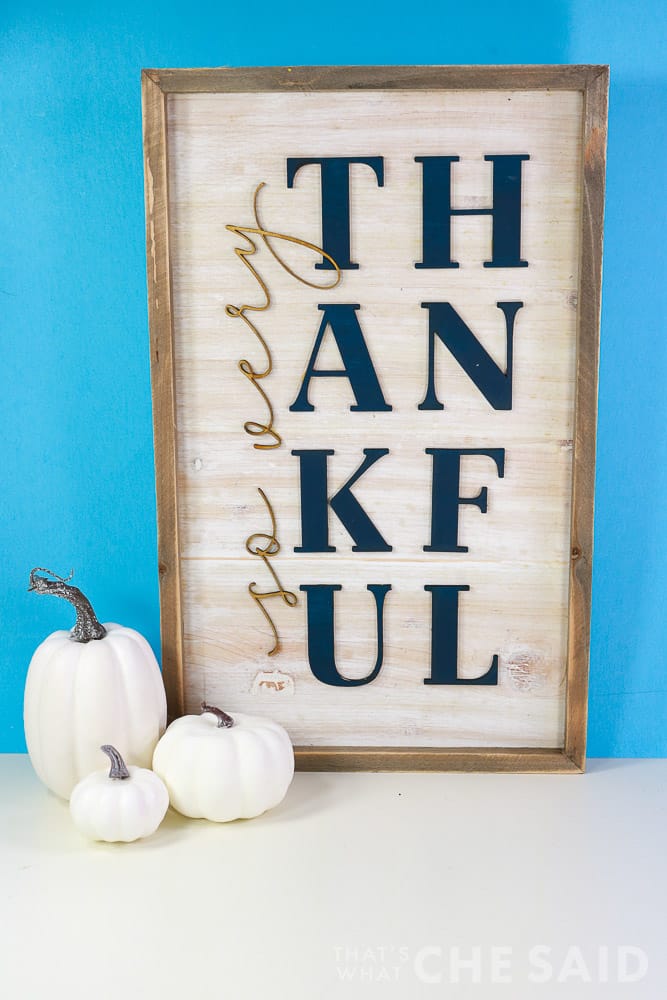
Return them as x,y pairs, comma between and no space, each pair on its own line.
75,410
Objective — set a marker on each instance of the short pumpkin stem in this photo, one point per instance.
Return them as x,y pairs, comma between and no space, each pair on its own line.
118,765
224,721
87,626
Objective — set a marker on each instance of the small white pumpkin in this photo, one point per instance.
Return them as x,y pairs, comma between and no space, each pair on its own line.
222,768
124,804
93,683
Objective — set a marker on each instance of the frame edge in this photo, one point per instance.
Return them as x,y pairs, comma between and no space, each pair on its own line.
160,320
458,759
247,79
583,470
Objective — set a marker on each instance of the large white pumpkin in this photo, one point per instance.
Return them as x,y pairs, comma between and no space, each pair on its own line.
222,768
82,692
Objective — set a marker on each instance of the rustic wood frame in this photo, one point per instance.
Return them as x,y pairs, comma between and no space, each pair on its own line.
593,82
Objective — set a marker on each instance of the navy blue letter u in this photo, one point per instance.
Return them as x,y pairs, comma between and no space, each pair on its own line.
320,616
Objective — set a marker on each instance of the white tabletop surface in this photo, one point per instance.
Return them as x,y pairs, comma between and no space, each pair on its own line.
358,885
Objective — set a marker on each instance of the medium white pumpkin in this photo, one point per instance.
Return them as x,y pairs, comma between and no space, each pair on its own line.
124,803
222,768
97,682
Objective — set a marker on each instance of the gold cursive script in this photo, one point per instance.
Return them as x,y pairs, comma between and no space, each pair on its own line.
254,427
265,546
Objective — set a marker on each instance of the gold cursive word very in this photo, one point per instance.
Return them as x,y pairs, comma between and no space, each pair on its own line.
255,376
265,546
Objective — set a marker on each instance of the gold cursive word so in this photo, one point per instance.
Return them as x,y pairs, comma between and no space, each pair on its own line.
265,546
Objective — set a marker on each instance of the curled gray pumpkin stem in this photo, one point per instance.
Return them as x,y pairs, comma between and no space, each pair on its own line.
118,765
224,721
87,626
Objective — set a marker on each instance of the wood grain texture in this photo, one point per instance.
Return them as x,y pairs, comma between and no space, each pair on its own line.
162,379
176,374
519,761
233,79
583,485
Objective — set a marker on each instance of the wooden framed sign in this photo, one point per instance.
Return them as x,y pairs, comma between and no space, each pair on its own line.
374,301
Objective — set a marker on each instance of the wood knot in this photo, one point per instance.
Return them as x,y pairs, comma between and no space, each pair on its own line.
161,568
576,552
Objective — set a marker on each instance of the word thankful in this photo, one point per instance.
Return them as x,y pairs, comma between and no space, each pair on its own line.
446,326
